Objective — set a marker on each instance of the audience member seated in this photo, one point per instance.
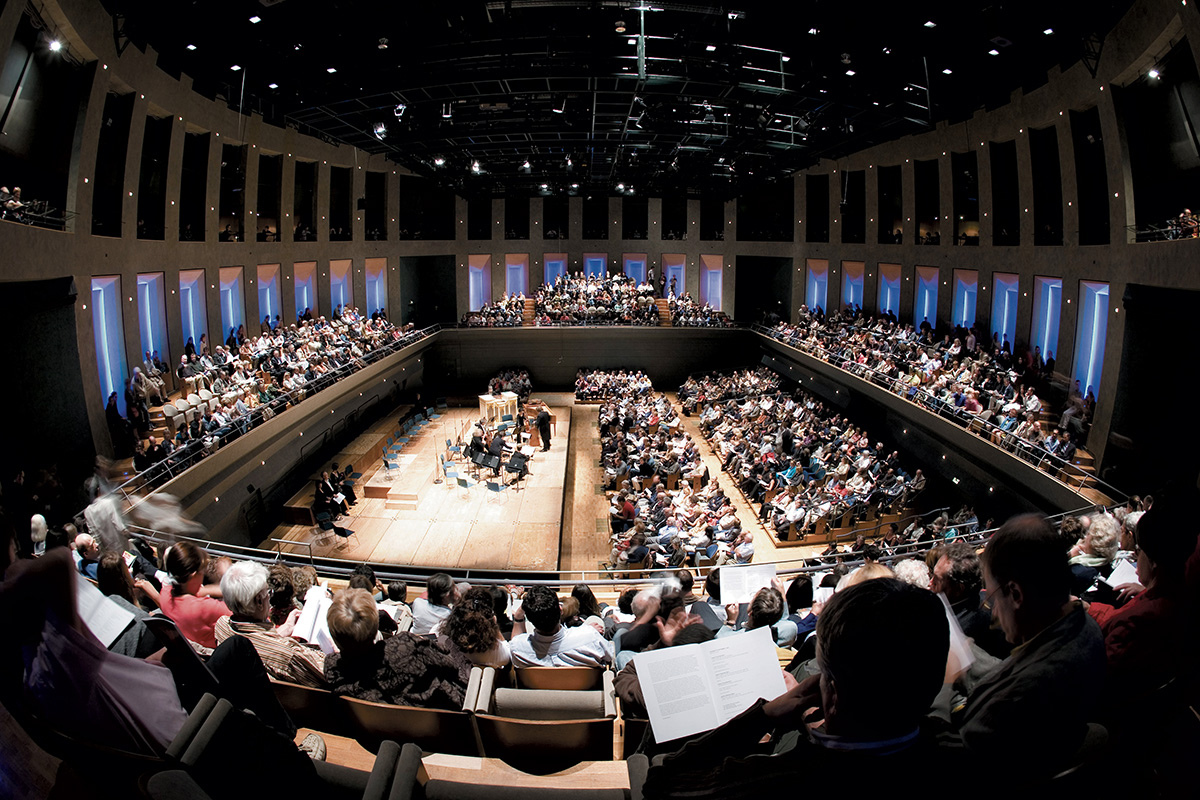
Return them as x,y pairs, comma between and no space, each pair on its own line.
472,630
958,575
1092,556
404,669
1030,712
687,313
431,610
881,627
246,594
551,644
193,611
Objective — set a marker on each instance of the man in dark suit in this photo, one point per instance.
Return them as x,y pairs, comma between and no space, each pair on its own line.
543,426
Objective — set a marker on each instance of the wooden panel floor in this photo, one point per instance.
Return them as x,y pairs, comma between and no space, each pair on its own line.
451,526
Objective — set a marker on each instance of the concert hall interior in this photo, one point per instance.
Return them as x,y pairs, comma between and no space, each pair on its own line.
248,240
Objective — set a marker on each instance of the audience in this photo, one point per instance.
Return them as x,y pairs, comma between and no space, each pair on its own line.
592,300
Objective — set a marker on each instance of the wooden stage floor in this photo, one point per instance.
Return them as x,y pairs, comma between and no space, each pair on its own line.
443,525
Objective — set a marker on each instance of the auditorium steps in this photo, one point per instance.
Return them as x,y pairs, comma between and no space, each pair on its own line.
664,312
529,315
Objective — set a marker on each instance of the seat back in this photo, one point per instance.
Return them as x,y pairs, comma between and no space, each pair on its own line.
169,410
560,678
194,399
318,709
431,729
541,747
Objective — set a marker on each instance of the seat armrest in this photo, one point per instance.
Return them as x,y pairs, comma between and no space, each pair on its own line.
610,694
638,766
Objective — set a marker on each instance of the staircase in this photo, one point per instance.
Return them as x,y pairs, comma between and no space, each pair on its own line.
528,317
664,312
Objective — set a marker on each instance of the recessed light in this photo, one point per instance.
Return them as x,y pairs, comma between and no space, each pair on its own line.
631,40
331,70
272,85
235,68
993,52
191,47
1048,31
947,71
813,31
256,20
1152,73
850,72
930,24
711,48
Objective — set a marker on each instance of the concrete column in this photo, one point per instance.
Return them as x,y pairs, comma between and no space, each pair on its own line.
174,178
983,168
946,200
133,166
212,189
323,205
94,89
1068,178
835,206
908,203
358,224
287,199
1121,214
871,206
1025,187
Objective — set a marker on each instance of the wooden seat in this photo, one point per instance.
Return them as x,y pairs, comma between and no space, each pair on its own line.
318,709
433,730
560,678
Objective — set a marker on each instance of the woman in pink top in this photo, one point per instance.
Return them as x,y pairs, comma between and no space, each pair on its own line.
195,615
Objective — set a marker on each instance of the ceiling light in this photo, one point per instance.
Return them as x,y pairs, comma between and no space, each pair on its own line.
1152,73
620,26
887,51
569,161
561,107
993,52
235,68
574,185
191,47
620,187
475,166
850,72
380,131
930,24
55,46
545,186
526,164
1048,31
447,111
256,20
331,70
631,40
383,43
947,71
438,161
273,86
813,31
711,48
399,110
785,59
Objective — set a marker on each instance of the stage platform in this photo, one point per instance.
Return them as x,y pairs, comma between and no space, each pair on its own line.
406,519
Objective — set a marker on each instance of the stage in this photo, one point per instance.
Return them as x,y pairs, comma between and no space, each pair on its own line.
404,518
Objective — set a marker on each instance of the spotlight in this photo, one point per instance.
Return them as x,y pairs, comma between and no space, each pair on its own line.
380,131
331,70
475,167
1152,73
55,46
561,107
273,86
236,68
399,110
620,187
255,20
569,163
383,43
438,161
191,47
526,166
447,111
620,26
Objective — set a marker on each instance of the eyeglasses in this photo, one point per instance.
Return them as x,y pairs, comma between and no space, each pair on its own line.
987,598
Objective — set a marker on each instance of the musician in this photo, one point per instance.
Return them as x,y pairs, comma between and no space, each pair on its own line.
543,426
496,447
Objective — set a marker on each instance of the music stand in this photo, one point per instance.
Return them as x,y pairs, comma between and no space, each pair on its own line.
491,462
516,466
479,459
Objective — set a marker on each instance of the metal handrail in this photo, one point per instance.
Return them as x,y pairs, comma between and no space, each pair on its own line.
937,406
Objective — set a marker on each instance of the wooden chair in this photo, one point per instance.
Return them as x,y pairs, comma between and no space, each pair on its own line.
547,730
433,730
560,678
317,709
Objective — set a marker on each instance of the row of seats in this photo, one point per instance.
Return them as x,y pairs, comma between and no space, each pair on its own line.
554,718
403,435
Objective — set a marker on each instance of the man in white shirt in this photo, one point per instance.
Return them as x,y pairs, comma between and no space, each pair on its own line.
551,644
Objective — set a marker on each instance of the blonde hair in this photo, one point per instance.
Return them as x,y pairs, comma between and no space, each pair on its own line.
867,572
353,619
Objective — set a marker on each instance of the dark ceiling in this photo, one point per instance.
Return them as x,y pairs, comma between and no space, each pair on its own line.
547,96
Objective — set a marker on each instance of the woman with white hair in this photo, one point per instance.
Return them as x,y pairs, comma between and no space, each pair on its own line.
245,591
1092,556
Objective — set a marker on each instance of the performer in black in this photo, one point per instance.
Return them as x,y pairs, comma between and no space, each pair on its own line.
543,426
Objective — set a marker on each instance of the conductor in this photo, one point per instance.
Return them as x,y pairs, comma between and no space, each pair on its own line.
543,426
